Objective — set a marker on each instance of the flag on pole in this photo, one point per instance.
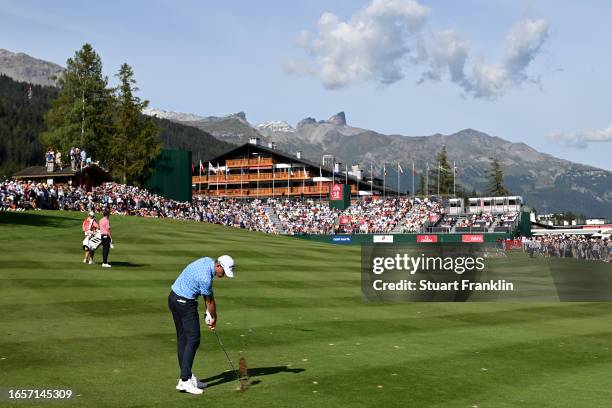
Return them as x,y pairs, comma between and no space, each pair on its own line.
372,170
399,169
320,172
385,169
414,173
305,174
192,168
211,167
201,166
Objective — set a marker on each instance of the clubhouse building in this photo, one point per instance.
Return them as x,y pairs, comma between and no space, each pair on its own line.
256,171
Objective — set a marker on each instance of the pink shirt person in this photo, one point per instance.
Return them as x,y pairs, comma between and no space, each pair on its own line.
105,226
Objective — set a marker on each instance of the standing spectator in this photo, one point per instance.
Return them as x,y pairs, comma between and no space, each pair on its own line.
72,156
83,158
49,159
58,159
107,238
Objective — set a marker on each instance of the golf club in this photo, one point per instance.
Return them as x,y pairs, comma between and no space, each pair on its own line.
228,358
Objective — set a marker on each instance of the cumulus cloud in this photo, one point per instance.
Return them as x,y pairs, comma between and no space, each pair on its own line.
523,43
372,45
580,140
380,42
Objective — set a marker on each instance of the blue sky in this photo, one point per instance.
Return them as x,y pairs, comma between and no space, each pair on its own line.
216,58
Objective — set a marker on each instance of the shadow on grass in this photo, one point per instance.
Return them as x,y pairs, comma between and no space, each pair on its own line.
127,264
229,376
35,219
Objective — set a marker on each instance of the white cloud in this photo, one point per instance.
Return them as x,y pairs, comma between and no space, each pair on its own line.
379,43
580,140
372,45
523,43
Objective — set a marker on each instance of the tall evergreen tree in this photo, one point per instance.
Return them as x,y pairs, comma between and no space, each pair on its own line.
421,190
495,186
81,116
444,171
134,146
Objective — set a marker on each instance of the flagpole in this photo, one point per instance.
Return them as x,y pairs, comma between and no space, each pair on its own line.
412,191
241,177
319,186
200,183
288,175
217,177
426,179
384,181
371,179
454,176
439,171
272,180
398,180
208,179
258,163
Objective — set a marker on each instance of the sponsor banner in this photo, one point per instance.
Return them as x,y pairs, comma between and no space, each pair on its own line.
336,192
342,240
427,238
383,239
472,238
433,218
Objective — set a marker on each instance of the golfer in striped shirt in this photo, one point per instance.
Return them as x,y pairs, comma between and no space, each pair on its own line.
195,280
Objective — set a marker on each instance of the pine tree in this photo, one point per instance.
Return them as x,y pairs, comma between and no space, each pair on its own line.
496,180
421,190
81,116
134,145
445,172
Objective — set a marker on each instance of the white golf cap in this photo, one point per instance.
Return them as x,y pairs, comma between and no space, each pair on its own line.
91,214
227,263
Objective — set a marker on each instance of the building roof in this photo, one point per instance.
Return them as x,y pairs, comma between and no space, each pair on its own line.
34,172
326,171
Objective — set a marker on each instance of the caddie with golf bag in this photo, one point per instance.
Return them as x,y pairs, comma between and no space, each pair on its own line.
195,280
92,237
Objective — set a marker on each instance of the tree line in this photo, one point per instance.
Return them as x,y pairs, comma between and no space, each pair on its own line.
106,122
441,178
85,112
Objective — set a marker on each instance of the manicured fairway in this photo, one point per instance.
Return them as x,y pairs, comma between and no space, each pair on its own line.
295,312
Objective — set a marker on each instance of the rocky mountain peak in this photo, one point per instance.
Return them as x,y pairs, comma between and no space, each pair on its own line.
306,121
338,119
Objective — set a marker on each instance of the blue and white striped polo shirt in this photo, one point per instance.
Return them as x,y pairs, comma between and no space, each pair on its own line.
196,279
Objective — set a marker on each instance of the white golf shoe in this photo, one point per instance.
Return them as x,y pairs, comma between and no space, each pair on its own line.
201,385
91,261
188,386
105,265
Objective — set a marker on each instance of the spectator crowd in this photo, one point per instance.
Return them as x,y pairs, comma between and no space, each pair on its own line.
569,246
293,217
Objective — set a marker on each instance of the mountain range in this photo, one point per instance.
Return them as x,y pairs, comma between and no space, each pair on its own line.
546,183
24,68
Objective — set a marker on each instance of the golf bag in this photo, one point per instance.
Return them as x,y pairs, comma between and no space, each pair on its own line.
90,243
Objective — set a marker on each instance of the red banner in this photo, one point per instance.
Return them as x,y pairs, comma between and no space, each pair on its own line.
427,238
472,238
345,219
336,192
513,244
433,218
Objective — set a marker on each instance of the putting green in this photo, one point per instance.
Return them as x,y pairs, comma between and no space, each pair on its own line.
295,312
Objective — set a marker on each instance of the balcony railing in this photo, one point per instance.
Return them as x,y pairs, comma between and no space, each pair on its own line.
264,161
245,178
263,192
